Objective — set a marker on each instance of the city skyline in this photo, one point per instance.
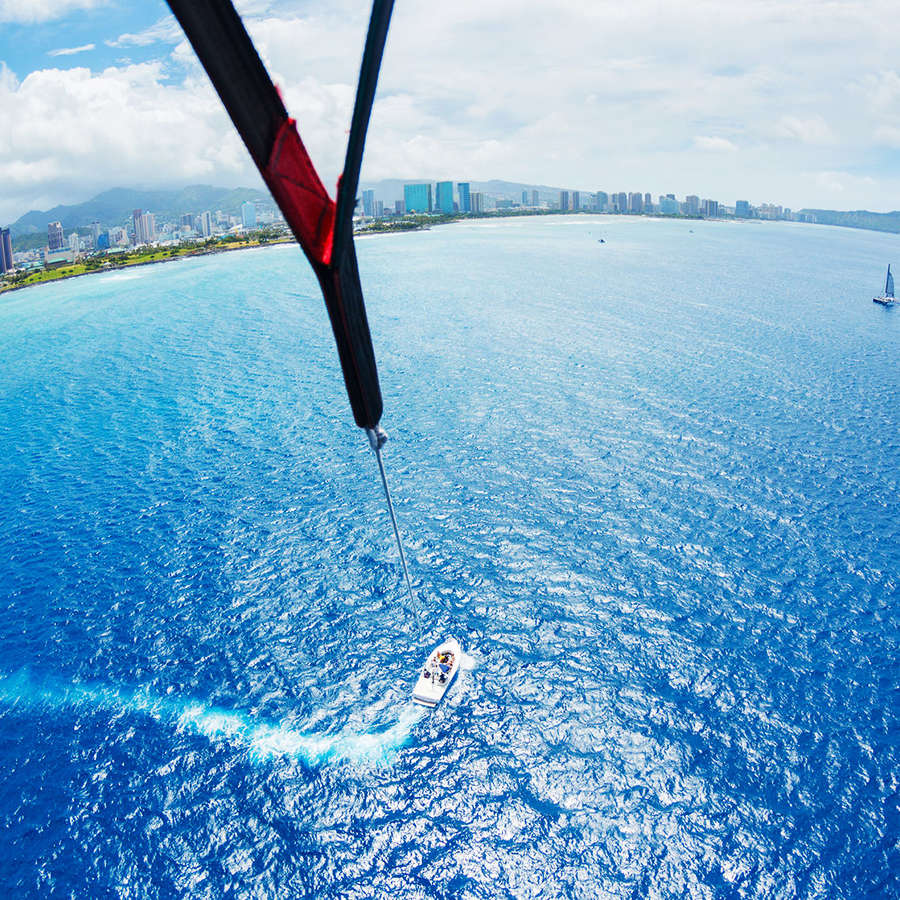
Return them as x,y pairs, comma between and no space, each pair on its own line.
799,101
393,200
445,198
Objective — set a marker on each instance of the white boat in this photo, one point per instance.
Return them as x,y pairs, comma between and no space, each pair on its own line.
438,673
887,298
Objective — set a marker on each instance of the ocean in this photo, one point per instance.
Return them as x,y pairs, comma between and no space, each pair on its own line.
650,484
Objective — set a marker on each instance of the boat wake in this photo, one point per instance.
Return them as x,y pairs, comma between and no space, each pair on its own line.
261,740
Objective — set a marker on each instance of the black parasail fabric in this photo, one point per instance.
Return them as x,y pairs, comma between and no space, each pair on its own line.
323,229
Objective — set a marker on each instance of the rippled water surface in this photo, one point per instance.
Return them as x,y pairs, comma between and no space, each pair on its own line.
651,484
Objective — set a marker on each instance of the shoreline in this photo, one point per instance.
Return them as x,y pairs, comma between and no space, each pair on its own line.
106,269
202,251
420,223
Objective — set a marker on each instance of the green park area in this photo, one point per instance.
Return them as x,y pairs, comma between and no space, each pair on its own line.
108,262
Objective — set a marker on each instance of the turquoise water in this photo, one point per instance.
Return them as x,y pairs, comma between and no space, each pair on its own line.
650,484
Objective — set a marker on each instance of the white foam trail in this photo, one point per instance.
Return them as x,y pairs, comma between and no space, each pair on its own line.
262,740
467,663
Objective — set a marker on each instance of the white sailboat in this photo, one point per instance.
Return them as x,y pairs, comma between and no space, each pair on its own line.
887,298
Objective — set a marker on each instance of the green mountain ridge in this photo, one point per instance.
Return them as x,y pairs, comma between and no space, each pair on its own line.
116,206
858,218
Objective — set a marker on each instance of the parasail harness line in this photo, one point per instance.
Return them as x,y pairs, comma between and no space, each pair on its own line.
377,439
322,227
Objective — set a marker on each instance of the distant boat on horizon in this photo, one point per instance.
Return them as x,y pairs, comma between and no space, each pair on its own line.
887,298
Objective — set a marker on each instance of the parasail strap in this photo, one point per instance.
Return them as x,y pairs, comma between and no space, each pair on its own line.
377,439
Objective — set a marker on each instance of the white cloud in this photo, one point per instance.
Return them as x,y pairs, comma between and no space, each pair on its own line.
841,183
889,135
809,130
166,30
31,11
79,132
714,144
71,51
881,91
585,96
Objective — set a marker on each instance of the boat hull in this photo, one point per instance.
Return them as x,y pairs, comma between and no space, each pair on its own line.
437,674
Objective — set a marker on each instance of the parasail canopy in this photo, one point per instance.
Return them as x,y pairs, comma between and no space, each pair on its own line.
323,227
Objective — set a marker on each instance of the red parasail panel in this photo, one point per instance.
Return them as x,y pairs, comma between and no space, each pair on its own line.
299,192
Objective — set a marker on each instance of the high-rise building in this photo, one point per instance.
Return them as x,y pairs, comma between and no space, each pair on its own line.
248,214
465,202
711,209
476,201
187,221
206,223
563,200
648,202
445,196
56,239
369,204
144,226
576,200
398,208
668,206
524,198
601,201
692,205
379,209
742,209
148,228
75,243
622,202
417,198
95,233
535,199
635,202
6,254
118,236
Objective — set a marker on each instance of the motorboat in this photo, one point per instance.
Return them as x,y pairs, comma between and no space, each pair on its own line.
438,673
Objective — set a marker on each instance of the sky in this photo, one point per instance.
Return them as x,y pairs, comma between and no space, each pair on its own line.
794,102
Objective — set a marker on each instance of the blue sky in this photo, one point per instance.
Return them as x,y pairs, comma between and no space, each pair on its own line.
26,45
788,101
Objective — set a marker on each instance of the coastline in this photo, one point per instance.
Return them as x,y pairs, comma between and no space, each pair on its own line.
163,256
133,264
417,223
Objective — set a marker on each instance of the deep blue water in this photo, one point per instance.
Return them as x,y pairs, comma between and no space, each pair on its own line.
652,485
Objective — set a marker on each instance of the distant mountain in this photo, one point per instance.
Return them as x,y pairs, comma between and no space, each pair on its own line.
860,218
115,207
